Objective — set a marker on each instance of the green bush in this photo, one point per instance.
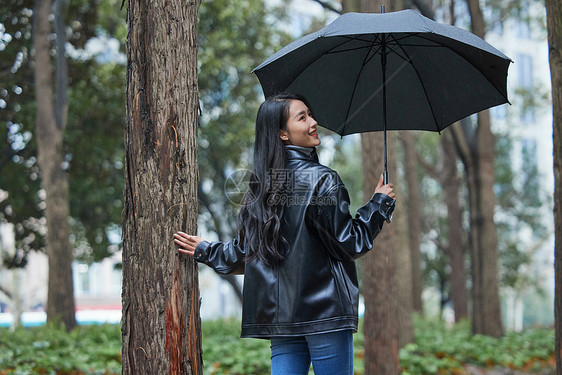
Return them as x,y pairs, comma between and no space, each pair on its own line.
49,349
437,350
225,353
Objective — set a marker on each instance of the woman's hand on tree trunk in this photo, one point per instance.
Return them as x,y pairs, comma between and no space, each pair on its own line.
187,243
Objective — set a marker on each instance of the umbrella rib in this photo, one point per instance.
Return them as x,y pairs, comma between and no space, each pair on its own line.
347,50
372,56
409,60
437,44
397,53
297,75
368,44
365,61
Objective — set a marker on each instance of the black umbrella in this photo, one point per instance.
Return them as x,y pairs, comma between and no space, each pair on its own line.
402,68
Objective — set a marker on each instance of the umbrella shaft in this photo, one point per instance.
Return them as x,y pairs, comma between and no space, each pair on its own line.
385,162
383,66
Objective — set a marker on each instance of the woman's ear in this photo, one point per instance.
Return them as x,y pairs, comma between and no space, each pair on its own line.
284,135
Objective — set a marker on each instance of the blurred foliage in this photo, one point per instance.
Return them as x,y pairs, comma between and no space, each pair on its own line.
224,352
519,215
49,349
234,38
437,349
520,205
347,162
20,203
93,139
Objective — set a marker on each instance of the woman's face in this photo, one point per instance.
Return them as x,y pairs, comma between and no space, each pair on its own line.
301,126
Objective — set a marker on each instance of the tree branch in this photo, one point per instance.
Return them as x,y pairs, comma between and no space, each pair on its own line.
444,248
461,143
431,170
6,292
424,8
5,72
231,279
328,6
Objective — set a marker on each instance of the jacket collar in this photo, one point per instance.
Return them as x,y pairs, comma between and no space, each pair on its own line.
301,153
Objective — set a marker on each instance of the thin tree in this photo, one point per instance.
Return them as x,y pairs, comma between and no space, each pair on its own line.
161,328
49,130
554,26
414,218
455,250
476,148
383,304
380,324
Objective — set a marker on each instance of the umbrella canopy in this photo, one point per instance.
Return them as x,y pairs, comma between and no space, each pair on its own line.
396,71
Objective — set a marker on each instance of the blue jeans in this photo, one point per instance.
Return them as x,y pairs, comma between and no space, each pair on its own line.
330,353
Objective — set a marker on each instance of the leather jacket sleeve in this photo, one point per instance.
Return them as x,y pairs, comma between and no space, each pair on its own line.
347,238
226,258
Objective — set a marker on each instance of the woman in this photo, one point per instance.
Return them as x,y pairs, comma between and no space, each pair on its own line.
296,246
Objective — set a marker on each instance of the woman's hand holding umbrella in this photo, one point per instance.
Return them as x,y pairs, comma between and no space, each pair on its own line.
387,189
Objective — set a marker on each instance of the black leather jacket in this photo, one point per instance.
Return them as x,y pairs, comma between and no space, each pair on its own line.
314,289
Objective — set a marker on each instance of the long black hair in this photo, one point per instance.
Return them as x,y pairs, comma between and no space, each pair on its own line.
261,214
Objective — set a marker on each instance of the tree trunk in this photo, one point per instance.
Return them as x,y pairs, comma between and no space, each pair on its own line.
161,328
18,278
488,307
486,302
554,25
403,275
350,6
414,218
380,324
451,187
49,135
383,311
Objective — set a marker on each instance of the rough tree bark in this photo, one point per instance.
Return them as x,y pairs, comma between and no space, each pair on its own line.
403,272
382,307
380,324
49,130
350,6
161,329
554,25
